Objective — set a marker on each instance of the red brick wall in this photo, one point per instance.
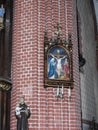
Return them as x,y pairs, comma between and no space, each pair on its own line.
76,90
31,18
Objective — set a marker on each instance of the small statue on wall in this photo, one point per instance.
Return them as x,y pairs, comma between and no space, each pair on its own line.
2,12
22,113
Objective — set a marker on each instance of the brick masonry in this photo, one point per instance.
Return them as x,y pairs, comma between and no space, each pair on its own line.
31,19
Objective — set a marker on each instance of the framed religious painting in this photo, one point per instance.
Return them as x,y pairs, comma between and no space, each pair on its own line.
58,63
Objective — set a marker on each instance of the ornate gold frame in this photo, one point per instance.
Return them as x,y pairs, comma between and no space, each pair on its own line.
56,49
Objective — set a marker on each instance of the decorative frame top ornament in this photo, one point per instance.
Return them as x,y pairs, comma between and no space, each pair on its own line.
58,60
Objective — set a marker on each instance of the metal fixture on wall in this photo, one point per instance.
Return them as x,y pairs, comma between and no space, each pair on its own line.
59,92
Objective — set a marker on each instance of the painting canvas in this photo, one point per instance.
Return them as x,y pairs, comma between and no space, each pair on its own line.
58,64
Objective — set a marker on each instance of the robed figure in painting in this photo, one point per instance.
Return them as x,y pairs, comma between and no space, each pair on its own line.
22,114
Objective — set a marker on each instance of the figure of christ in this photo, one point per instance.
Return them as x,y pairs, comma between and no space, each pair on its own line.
58,58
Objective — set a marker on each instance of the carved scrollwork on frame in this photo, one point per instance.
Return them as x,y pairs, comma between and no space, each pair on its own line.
58,61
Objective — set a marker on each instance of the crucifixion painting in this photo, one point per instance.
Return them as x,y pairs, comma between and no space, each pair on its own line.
58,64
58,59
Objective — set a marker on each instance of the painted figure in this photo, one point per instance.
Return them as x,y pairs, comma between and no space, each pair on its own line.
2,11
22,113
52,74
66,69
57,68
